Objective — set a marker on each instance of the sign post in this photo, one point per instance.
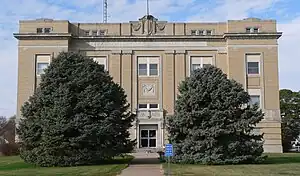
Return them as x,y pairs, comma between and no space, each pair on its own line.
169,153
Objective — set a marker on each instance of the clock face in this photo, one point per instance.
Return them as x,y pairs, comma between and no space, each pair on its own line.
148,89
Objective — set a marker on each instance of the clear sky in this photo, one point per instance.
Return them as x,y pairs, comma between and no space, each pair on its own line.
286,12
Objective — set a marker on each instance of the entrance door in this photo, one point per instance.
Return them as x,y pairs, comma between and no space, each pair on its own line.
148,138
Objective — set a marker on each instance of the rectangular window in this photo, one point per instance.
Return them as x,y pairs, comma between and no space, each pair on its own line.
208,32
201,32
148,66
39,30
195,67
143,69
255,30
148,106
153,70
248,30
86,33
102,60
254,99
42,62
41,68
193,32
94,33
143,106
198,62
101,32
253,67
153,106
47,30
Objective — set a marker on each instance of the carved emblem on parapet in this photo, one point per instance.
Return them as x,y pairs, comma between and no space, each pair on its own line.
148,25
136,26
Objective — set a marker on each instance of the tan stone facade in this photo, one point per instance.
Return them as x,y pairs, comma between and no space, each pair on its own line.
149,58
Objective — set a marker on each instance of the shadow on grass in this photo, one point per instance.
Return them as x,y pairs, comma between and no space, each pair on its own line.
23,165
16,165
283,158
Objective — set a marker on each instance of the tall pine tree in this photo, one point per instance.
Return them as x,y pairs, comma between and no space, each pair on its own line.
213,121
77,116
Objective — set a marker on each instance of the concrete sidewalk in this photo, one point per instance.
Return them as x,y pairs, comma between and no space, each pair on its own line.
144,164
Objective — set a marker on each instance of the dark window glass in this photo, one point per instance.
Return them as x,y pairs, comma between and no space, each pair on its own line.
152,143
153,106
153,69
39,30
143,69
253,68
47,30
142,106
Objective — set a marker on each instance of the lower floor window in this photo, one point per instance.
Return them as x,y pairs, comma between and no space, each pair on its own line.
254,99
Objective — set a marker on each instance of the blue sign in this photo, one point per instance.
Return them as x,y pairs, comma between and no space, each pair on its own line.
169,150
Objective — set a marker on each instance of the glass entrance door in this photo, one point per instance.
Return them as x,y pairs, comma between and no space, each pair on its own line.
148,138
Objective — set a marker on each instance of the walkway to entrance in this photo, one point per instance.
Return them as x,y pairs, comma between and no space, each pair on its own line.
145,165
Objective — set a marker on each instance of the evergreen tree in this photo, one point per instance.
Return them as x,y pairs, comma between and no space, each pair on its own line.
213,121
77,116
290,110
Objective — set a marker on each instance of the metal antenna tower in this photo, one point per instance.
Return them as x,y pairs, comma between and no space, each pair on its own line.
147,8
104,11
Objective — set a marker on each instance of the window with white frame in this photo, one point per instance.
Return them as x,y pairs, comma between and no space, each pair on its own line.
101,60
198,62
149,106
255,97
148,66
252,30
42,62
253,64
193,32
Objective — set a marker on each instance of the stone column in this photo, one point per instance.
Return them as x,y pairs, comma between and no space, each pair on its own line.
168,81
114,65
180,68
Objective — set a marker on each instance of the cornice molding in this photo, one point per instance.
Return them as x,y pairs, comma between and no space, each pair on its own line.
243,36
35,36
136,38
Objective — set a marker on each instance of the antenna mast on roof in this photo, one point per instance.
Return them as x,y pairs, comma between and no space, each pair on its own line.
104,11
148,8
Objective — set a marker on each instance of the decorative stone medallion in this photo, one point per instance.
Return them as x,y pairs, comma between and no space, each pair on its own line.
148,89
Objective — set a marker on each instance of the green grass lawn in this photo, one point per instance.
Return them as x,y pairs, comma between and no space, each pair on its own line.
276,165
14,165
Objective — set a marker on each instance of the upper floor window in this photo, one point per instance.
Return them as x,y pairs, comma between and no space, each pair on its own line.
94,33
253,67
39,30
198,62
252,30
193,32
201,32
255,30
43,30
102,32
149,106
101,60
86,33
248,30
47,30
42,62
253,64
208,32
148,66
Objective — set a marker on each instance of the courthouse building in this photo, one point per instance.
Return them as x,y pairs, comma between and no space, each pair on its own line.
149,58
